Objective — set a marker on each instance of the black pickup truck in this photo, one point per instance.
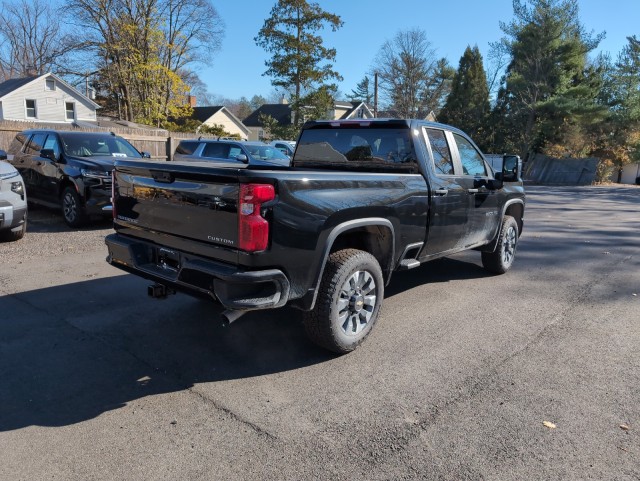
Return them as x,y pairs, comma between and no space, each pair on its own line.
360,200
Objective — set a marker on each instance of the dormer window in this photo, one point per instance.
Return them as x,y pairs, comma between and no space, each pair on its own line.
50,84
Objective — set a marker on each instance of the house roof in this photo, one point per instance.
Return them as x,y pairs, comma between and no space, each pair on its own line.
204,113
280,112
13,85
10,85
352,107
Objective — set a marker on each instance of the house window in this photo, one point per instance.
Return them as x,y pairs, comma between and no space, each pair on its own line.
50,84
70,110
31,108
260,134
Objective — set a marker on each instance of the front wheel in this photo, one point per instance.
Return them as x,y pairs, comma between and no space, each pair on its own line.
500,260
14,234
72,209
348,303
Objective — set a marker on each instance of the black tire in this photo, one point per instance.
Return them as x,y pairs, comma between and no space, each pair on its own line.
73,210
14,234
348,304
500,260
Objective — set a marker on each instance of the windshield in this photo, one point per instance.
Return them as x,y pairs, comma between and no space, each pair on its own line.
381,149
100,145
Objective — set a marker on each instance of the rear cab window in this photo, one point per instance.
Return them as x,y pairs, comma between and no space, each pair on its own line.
355,147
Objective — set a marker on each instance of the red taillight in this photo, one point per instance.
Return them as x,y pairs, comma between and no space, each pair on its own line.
253,229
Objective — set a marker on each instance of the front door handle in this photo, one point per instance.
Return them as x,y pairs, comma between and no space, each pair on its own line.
441,191
473,191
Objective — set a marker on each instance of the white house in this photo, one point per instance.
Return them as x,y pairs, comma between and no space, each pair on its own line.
46,98
219,115
281,112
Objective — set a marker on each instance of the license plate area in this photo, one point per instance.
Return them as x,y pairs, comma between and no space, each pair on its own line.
167,259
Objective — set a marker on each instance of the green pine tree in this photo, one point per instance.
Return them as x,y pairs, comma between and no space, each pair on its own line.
362,92
548,97
300,62
467,106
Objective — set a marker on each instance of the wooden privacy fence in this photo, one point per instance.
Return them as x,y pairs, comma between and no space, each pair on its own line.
161,144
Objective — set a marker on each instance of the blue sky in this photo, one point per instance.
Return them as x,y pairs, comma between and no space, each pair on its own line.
451,26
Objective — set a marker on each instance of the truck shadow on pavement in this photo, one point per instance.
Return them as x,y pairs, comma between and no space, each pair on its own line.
72,352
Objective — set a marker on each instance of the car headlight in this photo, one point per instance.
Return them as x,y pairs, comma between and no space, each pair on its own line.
18,188
96,174
9,175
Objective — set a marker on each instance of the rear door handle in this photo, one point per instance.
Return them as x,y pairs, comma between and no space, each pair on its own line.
473,191
441,191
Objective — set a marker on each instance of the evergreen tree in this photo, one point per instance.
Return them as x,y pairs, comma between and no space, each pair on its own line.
617,139
467,106
362,92
548,94
297,53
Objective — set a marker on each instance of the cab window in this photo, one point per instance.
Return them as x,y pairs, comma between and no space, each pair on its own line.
35,144
470,158
442,160
234,152
52,143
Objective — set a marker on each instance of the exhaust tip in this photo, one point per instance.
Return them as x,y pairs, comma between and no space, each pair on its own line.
231,315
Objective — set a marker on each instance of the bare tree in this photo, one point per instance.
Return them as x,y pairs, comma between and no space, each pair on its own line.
144,49
31,39
409,73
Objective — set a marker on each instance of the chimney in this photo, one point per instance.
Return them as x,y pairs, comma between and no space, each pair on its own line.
283,100
192,100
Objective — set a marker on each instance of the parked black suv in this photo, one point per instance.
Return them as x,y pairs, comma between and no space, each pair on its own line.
70,170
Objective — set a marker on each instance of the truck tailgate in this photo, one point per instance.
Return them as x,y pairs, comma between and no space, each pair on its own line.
191,201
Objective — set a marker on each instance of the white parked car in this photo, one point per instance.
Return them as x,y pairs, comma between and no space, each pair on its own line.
13,202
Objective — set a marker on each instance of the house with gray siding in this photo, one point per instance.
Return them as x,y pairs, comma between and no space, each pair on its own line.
46,98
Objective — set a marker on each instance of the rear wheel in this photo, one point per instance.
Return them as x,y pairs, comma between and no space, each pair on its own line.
348,303
500,260
72,209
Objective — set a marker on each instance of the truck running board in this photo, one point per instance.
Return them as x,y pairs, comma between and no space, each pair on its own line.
406,264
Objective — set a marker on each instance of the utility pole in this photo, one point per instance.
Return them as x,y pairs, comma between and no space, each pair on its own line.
375,95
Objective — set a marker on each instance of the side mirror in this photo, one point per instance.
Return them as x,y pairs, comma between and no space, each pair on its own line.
496,183
3,155
48,154
511,168
146,155
242,158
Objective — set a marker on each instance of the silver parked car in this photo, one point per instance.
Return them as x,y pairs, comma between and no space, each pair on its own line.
13,202
230,152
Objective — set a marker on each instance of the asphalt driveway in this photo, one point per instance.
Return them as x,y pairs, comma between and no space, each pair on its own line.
97,381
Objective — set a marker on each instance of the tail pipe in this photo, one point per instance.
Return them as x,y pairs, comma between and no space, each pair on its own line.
230,316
